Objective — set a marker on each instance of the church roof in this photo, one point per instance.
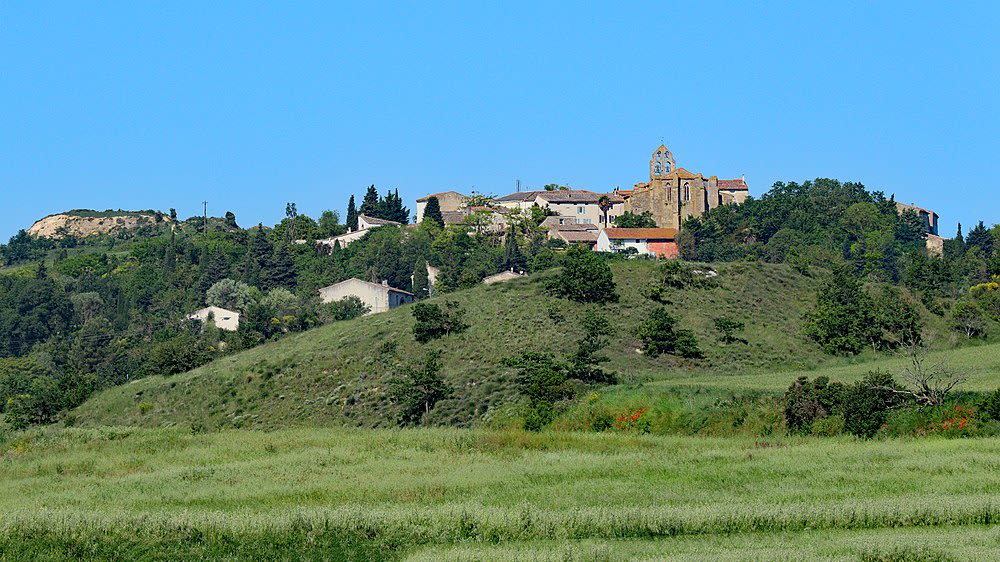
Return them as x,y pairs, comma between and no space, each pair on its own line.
736,184
683,174
439,195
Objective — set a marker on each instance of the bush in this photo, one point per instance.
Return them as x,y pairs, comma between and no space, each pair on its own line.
868,402
434,322
543,381
585,277
659,334
418,390
807,402
347,308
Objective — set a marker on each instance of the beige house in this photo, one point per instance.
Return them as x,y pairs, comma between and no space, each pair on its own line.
569,231
378,297
579,205
449,201
224,319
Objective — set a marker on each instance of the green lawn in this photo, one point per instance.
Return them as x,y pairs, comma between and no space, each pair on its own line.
455,493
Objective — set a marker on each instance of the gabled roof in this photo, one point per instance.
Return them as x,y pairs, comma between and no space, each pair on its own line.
683,174
216,311
589,236
356,280
641,233
560,196
377,221
439,195
737,184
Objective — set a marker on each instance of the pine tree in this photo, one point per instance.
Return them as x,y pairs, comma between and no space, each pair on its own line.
258,265
352,215
433,211
370,204
282,271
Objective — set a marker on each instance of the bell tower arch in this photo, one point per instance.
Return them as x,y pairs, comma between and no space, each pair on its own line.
661,164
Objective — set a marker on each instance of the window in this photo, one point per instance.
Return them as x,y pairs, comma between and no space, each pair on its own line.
586,221
687,191
581,210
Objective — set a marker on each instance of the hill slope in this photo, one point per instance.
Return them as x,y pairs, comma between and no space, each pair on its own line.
337,374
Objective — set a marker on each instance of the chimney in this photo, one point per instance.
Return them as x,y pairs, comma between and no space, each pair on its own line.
385,282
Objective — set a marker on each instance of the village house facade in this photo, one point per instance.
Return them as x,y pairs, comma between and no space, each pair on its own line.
451,203
673,194
656,242
580,205
378,297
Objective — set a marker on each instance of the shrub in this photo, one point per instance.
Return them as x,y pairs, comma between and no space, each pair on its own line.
659,334
728,327
543,381
807,402
867,403
989,407
433,322
416,391
585,277
346,308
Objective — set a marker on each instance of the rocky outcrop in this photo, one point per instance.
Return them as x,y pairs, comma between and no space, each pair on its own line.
81,226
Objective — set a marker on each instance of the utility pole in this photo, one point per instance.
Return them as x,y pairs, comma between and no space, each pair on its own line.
205,222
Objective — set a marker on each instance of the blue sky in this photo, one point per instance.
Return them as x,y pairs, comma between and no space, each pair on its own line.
250,105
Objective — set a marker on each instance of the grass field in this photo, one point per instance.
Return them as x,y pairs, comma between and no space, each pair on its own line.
469,494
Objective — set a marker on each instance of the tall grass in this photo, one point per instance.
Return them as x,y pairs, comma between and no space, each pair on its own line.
354,490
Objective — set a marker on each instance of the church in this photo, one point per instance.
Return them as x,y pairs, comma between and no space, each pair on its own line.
674,194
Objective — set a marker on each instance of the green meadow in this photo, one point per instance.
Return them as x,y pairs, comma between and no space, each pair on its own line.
114,493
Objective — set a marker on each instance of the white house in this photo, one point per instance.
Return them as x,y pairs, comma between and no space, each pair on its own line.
378,297
577,204
658,242
365,224
224,319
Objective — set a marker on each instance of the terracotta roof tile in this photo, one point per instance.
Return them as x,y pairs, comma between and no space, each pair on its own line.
641,233
733,184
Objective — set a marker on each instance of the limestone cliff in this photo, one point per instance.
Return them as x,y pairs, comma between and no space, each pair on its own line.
89,223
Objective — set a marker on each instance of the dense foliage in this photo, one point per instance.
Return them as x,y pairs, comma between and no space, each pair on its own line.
109,308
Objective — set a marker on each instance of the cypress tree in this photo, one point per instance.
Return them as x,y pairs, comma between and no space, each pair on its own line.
433,211
370,204
421,283
352,215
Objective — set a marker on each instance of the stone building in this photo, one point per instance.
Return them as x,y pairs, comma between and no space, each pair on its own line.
378,297
449,201
674,194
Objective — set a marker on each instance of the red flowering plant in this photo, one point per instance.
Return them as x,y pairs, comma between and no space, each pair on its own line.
633,421
956,422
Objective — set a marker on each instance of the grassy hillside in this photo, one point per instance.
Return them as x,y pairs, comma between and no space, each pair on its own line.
466,494
337,374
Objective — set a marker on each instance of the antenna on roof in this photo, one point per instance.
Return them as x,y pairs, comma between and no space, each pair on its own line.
517,184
